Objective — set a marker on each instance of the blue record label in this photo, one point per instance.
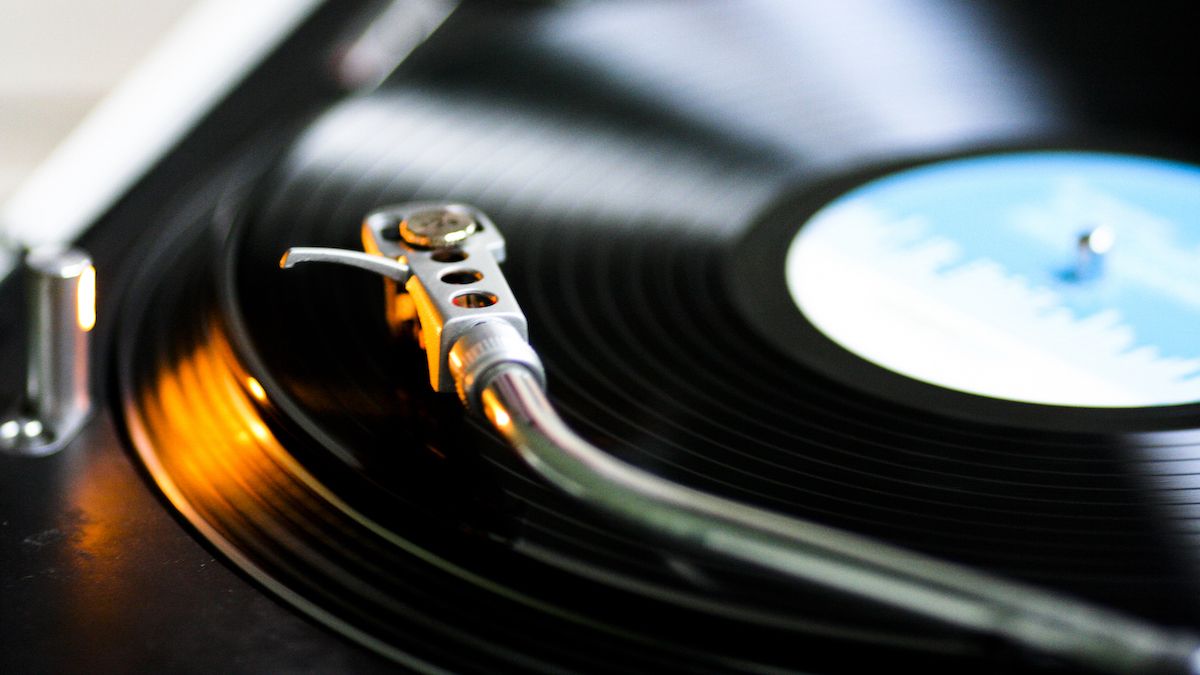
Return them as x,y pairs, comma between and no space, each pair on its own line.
1062,278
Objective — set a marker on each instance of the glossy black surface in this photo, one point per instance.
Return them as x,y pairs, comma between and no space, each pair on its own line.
628,150
632,184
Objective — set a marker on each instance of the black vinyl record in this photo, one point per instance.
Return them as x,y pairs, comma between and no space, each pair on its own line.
646,161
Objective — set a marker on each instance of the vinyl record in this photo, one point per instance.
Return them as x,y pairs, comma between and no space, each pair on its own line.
652,166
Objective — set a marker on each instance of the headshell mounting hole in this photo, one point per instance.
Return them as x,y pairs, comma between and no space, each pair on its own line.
462,277
474,299
449,255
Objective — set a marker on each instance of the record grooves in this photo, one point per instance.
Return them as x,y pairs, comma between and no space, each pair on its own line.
299,437
217,454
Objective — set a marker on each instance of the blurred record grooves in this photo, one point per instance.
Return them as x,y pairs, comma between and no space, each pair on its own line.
649,164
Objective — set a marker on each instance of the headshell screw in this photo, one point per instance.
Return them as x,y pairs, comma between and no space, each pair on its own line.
438,227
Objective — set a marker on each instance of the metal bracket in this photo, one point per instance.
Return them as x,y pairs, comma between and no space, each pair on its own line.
441,265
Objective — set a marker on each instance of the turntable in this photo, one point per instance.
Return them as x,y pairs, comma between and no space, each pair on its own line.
867,334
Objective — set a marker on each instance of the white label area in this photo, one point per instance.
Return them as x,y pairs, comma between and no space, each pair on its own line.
971,274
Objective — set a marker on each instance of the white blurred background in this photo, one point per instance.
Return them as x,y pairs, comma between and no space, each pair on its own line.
57,58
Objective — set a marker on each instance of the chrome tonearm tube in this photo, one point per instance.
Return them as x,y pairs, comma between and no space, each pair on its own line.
441,263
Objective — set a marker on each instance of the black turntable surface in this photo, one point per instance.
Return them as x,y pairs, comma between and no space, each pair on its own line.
271,484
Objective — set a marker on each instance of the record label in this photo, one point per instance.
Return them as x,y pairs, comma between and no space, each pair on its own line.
1061,278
